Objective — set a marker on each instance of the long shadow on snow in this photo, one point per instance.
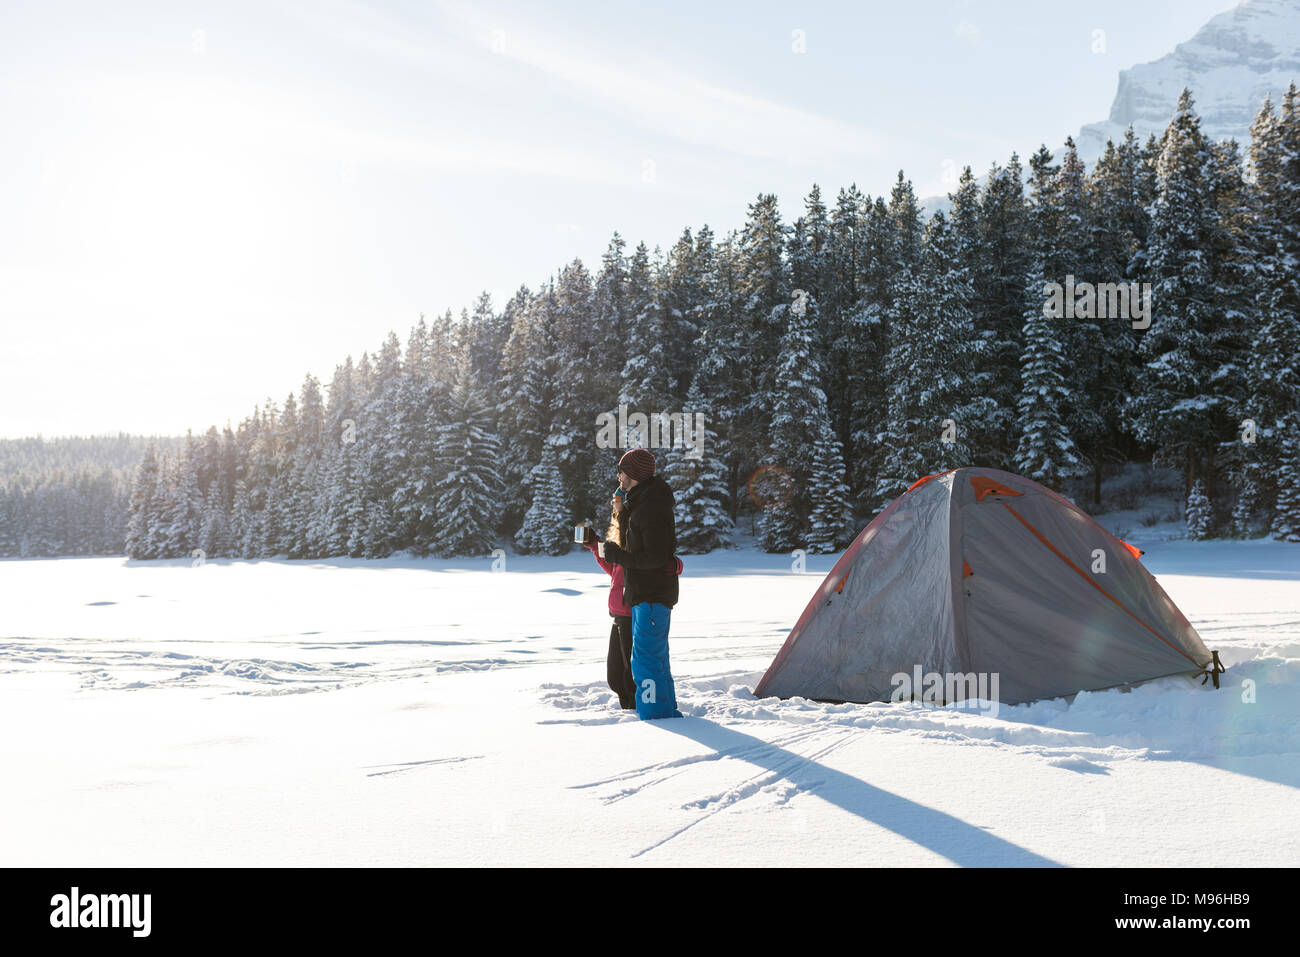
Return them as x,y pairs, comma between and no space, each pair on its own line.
964,844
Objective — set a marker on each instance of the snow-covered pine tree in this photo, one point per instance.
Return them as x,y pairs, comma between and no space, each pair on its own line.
31,540
579,391
699,485
1087,338
341,406
526,402
299,458
489,331
765,290
841,303
422,408
832,287
1199,513
909,227
311,418
209,463
328,529
722,348
214,533
610,310
799,419
243,530
259,480
908,291
646,380
188,502
1001,264
377,531
1236,275
547,527
1273,373
10,527
139,541
358,505
467,453
1253,468
1119,224
929,367
808,253
681,297
338,495
1190,387
1148,181
1046,451
644,384
381,452
159,503
985,431
304,480
831,513
1243,512
809,248
868,346
1286,514
282,491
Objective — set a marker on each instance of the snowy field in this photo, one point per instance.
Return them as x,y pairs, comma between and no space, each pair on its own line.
421,712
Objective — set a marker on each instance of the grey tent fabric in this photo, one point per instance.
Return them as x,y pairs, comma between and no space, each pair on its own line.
979,571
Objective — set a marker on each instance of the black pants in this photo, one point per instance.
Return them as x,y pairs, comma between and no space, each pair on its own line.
618,666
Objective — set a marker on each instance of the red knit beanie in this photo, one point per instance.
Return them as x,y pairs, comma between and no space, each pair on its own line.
638,464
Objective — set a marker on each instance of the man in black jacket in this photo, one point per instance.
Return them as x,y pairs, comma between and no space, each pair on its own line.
649,580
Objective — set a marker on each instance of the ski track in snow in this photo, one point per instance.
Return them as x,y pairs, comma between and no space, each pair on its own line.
766,782
777,781
126,666
402,766
133,668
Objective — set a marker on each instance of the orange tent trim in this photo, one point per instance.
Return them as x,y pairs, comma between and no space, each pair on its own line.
922,481
1137,552
987,486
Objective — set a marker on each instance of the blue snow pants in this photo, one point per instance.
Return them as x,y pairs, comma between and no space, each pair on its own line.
655,695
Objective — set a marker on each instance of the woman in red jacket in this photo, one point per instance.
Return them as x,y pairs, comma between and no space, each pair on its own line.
618,664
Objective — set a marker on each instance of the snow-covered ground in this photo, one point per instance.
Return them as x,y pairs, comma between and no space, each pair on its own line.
423,712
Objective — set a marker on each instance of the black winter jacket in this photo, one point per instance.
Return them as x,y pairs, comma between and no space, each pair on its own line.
649,540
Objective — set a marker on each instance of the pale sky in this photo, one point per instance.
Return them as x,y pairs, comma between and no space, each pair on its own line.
202,202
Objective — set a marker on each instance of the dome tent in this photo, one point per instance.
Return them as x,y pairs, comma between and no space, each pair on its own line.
978,571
